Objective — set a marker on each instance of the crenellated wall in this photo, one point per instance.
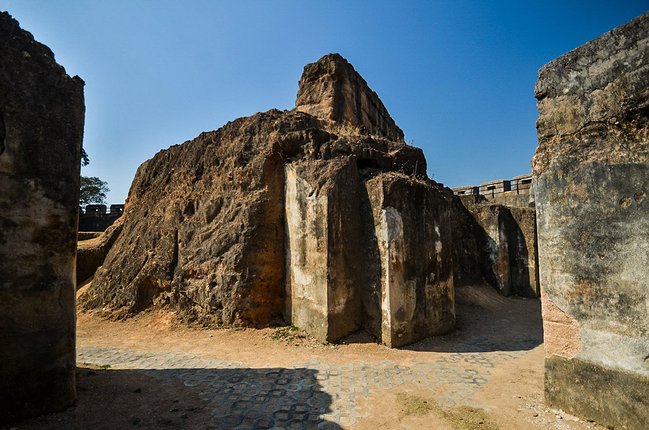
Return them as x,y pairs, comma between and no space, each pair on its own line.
97,218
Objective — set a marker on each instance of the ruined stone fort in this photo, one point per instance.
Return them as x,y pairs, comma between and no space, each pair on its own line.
323,217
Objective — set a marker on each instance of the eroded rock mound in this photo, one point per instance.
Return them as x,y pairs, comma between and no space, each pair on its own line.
267,218
92,252
332,90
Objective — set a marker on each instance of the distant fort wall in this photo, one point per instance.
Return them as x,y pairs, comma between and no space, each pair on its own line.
516,192
98,217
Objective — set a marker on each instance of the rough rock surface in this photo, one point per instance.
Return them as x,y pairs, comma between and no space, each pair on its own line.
591,183
262,219
496,244
203,225
41,128
413,258
92,252
332,90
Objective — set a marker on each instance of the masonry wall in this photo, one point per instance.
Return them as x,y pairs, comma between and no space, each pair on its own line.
41,128
591,180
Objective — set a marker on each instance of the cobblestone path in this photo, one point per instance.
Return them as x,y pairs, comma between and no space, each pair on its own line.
313,394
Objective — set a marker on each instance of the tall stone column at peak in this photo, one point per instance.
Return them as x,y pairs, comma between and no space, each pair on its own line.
41,129
591,175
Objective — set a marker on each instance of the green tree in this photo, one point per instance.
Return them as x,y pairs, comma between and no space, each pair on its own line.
84,158
92,189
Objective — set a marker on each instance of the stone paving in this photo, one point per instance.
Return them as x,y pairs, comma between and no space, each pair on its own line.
313,394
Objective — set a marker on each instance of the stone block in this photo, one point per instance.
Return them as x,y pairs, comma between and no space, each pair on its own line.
41,129
591,173
606,395
412,226
323,254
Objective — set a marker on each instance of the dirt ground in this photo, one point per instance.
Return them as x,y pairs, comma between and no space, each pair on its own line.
498,340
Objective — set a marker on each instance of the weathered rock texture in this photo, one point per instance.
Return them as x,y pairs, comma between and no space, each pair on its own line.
324,235
331,89
92,252
41,128
591,183
268,218
414,259
497,244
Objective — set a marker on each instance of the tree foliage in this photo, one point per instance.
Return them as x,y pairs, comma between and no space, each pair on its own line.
92,189
85,160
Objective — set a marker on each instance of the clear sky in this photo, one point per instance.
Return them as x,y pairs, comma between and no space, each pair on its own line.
456,75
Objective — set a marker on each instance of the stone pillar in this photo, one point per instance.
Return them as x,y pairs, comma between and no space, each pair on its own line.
323,237
41,128
412,225
591,180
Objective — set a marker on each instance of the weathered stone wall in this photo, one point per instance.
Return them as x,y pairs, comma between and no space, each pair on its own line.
591,183
412,226
41,128
497,244
523,252
512,199
324,260
467,255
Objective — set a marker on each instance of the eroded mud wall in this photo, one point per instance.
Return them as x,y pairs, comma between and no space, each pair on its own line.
41,128
591,180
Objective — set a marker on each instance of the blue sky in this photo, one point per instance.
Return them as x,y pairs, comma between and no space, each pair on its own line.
457,76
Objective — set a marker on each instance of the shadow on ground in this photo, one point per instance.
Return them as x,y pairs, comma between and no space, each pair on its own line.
487,321
237,398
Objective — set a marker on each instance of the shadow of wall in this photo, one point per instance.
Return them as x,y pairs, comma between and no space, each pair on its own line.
195,398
